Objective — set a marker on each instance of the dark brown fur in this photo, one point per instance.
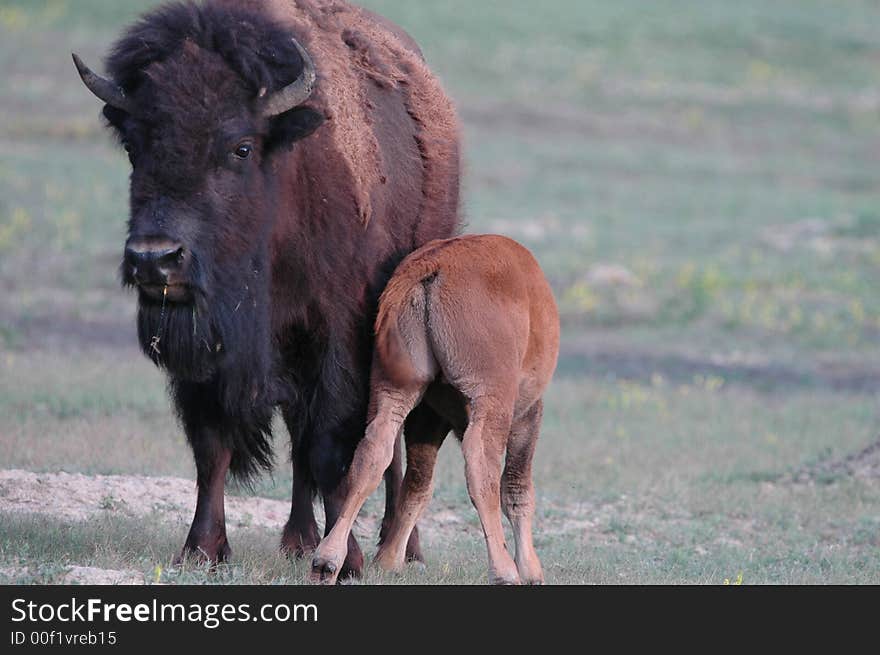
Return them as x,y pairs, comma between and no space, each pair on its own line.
288,253
467,338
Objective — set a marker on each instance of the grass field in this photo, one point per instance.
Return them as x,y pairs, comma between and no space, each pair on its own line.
699,179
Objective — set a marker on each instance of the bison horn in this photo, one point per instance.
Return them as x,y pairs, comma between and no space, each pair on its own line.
295,93
108,91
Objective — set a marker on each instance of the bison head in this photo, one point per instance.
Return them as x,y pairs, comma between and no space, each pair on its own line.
201,99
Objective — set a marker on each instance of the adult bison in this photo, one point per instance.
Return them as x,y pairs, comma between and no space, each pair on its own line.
286,155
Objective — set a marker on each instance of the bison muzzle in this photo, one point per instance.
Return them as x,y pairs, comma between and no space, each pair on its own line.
285,156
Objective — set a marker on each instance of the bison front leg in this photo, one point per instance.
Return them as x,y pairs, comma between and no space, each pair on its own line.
300,535
206,541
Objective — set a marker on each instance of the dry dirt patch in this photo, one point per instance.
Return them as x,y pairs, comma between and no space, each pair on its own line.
76,497
78,575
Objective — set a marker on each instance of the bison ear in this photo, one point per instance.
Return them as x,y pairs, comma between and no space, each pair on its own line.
291,126
116,118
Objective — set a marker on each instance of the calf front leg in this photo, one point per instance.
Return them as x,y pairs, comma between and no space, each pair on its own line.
353,562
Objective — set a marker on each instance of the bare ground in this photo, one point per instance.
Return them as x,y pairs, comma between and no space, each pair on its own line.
78,497
79,575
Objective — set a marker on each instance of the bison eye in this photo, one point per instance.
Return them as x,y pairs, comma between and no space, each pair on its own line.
243,150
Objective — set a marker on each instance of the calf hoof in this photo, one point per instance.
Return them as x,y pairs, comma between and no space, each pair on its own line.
503,580
533,578
325,568
530,571
413,547
388,561
504,576
299,542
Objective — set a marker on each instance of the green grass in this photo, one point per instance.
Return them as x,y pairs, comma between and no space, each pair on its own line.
723,155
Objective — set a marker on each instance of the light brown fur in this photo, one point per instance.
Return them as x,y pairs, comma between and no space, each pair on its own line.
467,338
382,53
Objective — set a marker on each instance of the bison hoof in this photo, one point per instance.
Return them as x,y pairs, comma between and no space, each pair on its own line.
353,566
205,552
297,542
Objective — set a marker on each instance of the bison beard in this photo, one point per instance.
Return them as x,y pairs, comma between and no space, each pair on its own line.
286,253
217,350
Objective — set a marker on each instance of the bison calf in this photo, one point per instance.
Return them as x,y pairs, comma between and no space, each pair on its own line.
469,326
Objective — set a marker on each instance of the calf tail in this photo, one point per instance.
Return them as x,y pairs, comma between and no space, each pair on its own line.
403,347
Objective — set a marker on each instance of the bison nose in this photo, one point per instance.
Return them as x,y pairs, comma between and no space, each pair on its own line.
153,260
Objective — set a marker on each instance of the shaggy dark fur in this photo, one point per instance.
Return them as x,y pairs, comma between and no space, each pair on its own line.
289,249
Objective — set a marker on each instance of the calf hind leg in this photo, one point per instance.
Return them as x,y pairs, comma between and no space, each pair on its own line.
483,447
518,493
393,482
425,431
